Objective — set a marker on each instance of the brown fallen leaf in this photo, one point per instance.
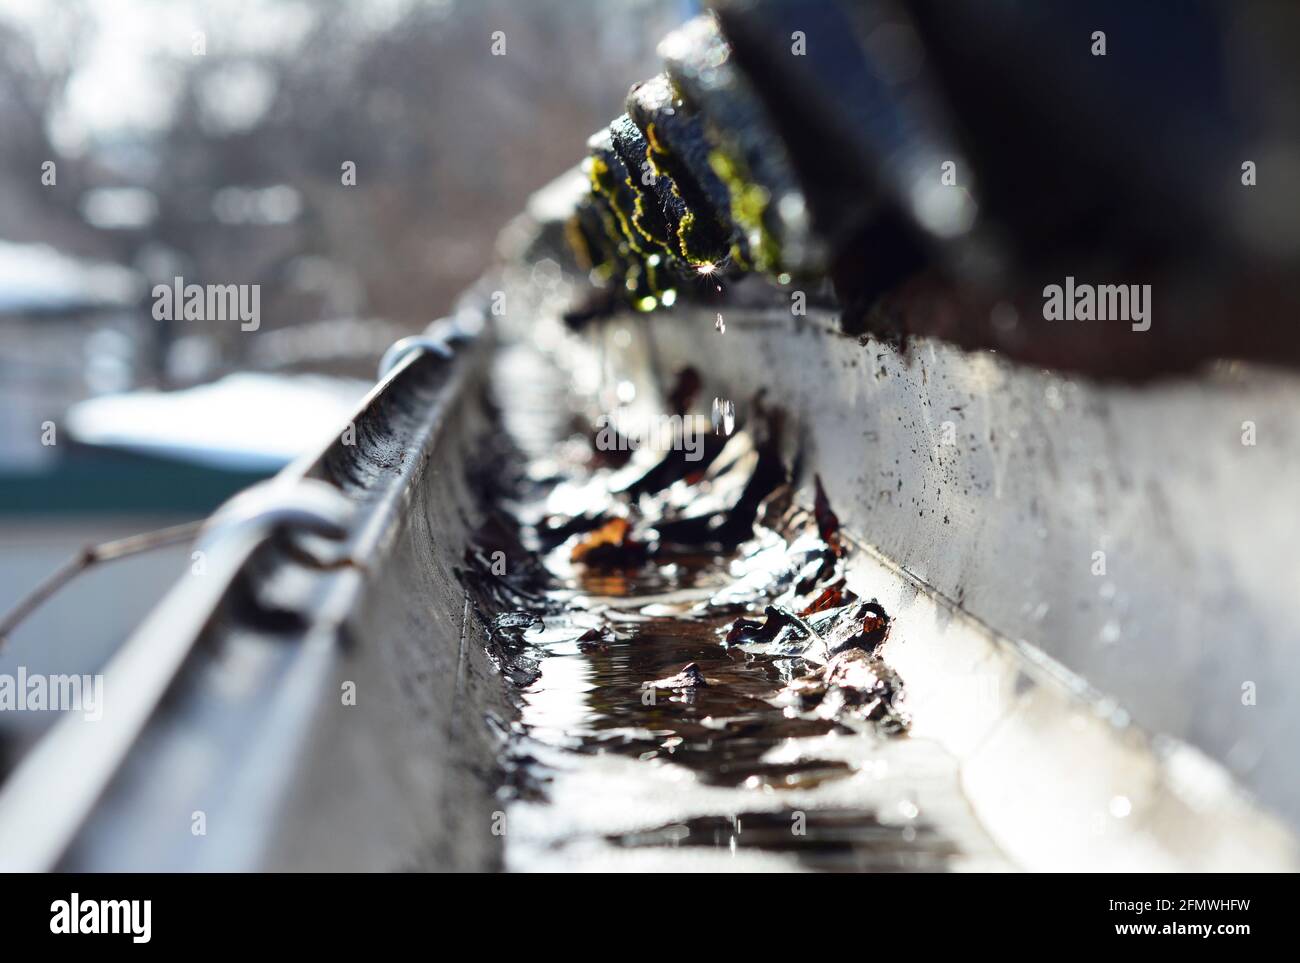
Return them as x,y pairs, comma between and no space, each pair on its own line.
609,546
595,640
832,597
828,524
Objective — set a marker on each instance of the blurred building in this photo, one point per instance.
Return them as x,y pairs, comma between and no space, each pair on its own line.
69,329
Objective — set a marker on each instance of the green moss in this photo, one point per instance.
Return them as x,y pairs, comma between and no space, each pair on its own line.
695,241
577,242
640,272
614,253
748,206
655,151
603,183
639,259
638,219
692,239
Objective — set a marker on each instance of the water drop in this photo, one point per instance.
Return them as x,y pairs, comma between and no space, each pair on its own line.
724,416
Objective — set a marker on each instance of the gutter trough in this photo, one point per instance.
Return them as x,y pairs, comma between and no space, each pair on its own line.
1080,538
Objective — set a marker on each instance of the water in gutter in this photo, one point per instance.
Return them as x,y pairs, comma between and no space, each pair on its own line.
697,685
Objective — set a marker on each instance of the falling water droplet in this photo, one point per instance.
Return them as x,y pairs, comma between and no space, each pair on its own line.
720,325
724,416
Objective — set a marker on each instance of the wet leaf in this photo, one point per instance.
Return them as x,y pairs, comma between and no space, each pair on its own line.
685,387
507,647
828,523
595,640
610,546
862,625
781,629
863,685
689,678
832,597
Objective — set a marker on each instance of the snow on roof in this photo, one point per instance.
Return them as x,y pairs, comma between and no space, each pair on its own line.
243,422
37,279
